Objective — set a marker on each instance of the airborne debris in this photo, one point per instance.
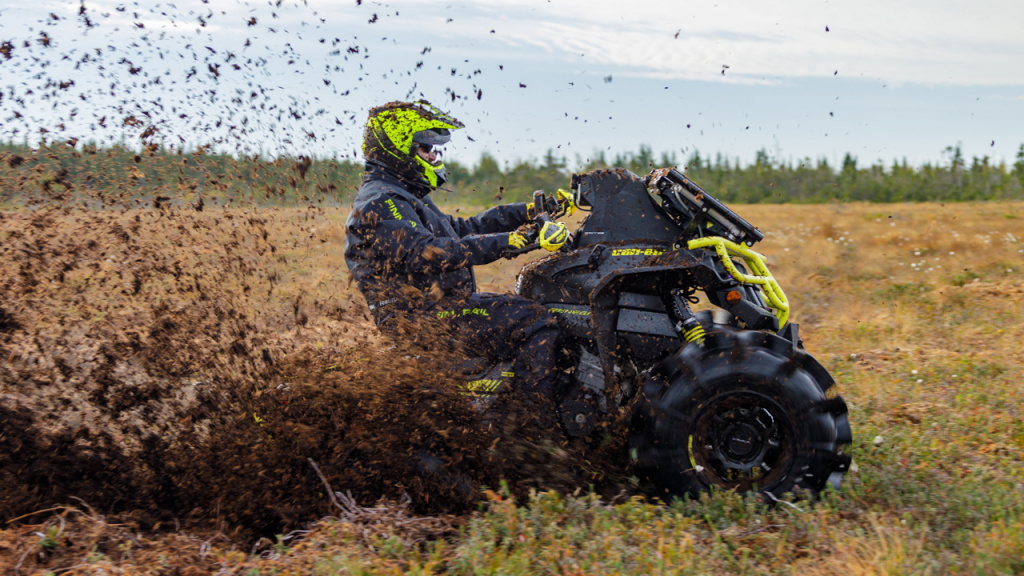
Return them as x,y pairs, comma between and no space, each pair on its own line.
106,407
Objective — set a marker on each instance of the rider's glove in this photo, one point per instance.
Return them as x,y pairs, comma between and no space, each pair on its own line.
517,240
560,202
553,235
564,199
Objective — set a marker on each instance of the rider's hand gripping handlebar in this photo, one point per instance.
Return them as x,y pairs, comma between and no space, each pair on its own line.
544,231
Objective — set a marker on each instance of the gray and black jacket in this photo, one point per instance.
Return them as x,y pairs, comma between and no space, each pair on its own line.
405,254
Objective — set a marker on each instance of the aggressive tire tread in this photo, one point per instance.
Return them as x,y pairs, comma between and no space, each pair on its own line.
708,405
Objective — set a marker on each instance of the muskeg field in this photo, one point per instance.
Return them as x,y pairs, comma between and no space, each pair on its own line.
179,387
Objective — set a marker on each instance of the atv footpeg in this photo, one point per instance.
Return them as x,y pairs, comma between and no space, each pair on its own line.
579,413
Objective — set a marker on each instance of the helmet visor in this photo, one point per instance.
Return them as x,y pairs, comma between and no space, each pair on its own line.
433,137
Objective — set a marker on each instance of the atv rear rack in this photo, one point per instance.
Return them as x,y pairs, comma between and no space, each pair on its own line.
697,211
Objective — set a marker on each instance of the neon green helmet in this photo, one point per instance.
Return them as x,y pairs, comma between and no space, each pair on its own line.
396,130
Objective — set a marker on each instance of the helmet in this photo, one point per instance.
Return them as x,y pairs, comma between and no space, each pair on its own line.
395,130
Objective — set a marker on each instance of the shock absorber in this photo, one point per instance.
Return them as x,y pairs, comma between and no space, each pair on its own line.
687,325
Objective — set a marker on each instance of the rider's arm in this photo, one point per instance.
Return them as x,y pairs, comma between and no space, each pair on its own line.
504,218
393,231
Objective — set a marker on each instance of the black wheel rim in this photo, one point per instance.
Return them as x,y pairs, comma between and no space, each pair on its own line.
742,441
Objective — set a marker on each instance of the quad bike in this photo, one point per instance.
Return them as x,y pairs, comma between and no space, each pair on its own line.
726,399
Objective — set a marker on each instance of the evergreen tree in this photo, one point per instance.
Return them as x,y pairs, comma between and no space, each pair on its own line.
118,175
1018,166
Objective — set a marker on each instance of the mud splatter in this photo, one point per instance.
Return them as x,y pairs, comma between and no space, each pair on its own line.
183,366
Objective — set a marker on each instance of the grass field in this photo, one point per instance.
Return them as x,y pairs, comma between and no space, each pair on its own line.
916,309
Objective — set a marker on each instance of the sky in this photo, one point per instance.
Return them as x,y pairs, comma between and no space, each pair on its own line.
883,81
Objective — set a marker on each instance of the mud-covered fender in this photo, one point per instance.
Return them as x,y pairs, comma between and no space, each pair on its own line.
649,275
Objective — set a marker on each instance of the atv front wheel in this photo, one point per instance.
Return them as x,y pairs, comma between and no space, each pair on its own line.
747,411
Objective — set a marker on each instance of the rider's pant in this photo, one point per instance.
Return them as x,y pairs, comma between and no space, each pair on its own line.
502,326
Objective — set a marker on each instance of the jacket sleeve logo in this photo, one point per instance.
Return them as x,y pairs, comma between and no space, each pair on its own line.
395,212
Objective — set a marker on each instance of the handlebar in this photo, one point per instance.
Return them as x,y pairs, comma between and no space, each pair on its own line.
542,217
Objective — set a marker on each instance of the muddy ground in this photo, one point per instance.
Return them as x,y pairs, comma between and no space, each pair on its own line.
174,367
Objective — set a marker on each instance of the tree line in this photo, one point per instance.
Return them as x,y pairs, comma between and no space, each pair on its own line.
119,176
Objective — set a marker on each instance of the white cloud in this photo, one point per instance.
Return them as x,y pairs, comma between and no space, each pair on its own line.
330,60
929,42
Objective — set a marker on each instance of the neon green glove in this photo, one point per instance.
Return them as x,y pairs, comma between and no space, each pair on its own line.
517,240
553,235
564,199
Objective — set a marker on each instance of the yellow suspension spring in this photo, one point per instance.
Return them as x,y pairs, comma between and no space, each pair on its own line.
695,334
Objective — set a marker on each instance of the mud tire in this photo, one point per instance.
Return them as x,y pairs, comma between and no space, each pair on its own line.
748,411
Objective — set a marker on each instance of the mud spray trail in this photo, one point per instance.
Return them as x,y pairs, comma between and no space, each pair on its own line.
170,365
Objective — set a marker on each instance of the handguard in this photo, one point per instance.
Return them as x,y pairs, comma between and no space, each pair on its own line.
553,235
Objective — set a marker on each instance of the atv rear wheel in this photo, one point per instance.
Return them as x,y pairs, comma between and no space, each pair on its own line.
747,411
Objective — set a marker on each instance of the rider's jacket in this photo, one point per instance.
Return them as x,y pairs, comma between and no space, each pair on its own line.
405,254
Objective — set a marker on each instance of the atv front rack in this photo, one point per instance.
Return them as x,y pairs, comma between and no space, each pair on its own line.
760,276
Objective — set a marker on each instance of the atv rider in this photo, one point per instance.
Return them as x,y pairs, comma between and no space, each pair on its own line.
412,262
